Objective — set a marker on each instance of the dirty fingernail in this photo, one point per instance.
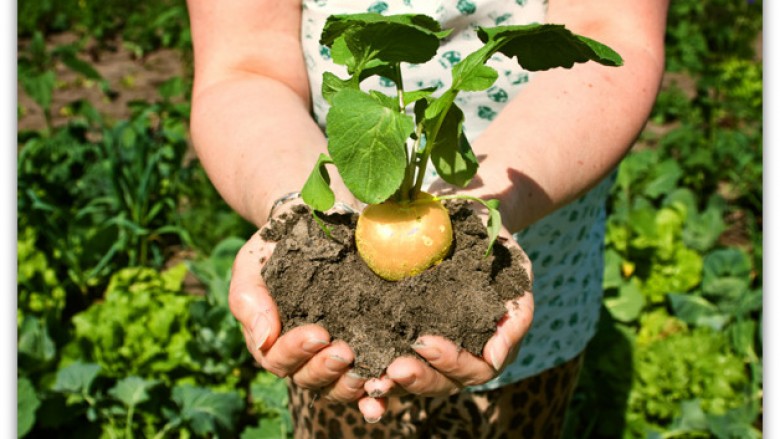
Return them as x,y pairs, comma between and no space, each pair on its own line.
259,331
313,345
335,363
429,352
354,381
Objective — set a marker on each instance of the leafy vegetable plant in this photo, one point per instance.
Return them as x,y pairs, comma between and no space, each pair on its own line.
382,144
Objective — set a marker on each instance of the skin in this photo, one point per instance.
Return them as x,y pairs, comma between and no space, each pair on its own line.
252,131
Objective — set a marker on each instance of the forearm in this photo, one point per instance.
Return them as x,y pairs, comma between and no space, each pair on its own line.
250,121
568,128
256,140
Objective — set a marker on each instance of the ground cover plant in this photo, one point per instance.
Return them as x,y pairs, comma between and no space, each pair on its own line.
679,349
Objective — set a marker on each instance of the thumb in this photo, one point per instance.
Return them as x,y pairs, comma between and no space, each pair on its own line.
249,298
505,343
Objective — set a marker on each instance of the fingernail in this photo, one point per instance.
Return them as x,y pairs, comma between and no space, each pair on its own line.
260,331
372,420
377,391
428,352
336,363
354,381
313,345
404,375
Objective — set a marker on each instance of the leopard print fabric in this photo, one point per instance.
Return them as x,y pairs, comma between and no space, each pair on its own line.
529,409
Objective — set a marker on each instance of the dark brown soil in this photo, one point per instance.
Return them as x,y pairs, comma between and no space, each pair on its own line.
315,279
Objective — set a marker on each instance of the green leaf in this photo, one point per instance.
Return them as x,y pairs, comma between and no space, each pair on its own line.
316,192
208,412
132,390
451,153
666,175
68,56
493,223
215,271
726,273
76,378
743,338
546,46
366,141
628,304
471,73
413,96
613,277
696,310
27,404
409,34
34,342
269,393
40,87
332,84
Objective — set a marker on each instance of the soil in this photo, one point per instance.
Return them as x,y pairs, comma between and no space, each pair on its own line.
316,279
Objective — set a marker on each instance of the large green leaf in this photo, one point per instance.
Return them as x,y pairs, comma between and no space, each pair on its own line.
208,412
628,303
696,310
726,274
546,46
76,378
367,142
27,404
132,390
451,153
35,346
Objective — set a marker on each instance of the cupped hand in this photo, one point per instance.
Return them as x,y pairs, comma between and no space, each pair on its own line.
304,354
451,368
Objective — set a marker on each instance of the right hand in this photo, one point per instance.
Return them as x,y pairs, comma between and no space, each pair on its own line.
304,354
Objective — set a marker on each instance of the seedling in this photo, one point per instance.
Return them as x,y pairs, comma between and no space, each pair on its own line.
381,150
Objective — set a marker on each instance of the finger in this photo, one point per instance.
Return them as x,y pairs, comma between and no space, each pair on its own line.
293,349
420,379
455,363
382,386
249,299
349,387
502,347
325,367
372,408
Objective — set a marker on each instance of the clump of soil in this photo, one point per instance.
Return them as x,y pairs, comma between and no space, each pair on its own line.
316,279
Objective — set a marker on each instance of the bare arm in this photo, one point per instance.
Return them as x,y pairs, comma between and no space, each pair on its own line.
568,128
250,118
252,131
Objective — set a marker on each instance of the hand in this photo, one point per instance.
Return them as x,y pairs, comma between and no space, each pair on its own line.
451,368
305,354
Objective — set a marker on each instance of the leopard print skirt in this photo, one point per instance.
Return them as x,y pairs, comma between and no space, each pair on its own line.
532,408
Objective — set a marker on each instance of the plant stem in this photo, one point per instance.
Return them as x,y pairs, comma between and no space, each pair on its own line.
404,194
448,98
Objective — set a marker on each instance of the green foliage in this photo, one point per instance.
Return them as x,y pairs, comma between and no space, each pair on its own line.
368,132
142,26
699,33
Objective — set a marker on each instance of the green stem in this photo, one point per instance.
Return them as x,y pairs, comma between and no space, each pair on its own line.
449,98
405,193
129,422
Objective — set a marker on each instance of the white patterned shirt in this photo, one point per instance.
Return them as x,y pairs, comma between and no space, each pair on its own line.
566,247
